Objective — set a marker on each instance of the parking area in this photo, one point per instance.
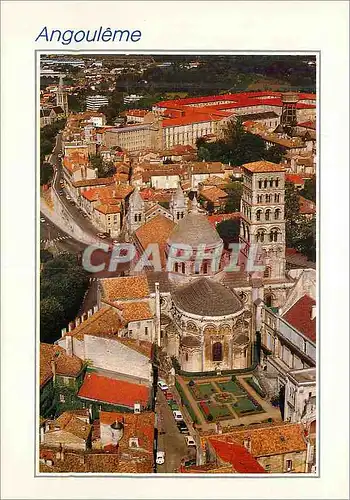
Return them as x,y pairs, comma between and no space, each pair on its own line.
170,439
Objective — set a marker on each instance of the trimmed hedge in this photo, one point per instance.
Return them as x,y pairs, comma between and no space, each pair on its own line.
186,403
256,388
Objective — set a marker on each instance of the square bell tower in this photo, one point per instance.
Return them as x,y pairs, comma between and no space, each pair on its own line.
262,219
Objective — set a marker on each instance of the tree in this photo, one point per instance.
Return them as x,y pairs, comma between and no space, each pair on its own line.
228,230
309,190
234,191
46,173
51,319
210,207
275,153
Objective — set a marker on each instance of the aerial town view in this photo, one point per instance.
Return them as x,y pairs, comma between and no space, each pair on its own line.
177,264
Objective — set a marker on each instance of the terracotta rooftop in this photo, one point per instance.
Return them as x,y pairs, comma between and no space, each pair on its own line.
307,207
135,311
97,461
101,181
156,230
263,166
242,461
213,194
97,387
69,366
68,422
267,440
134,425
106,321
299,316
129,287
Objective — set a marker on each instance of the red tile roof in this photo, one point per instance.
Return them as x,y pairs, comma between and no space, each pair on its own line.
307,207
216,219
299,316
113,391
295,179
242,461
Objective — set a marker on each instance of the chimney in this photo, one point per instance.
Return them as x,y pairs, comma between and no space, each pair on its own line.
157,313
248,444
42,434
95,309
53,369
313,311
69,345
77,322
63,332
89,313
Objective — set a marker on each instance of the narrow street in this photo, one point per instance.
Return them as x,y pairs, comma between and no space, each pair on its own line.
170,438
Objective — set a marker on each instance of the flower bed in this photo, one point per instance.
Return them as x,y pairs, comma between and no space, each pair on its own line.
223,397
214,412
201,391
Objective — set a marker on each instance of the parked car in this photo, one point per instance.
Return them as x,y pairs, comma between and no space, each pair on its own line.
162,385
160,457
182,427
42,219
190,441
68,197
101,235
169,396
189,461
177,415
173,405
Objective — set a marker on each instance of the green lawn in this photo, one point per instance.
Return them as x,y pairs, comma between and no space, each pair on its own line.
232,387
202,391
220,411
245,405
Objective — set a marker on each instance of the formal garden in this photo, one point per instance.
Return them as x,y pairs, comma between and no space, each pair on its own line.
225,399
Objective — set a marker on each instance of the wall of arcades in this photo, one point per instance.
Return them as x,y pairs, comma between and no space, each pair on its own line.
214,340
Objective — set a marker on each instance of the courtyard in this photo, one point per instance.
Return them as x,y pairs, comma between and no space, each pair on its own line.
232,400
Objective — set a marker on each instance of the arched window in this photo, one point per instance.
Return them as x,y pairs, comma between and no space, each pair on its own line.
267,214
268,198
274,235
140,217
135,218
259,198
260,184
277,213
277,198
258,214
267,272
276,183
217,351
183,268
265,183
260,236
205,268
176,267
271,182
186,356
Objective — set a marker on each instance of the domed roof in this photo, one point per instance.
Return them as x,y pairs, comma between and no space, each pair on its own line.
193,230
205,297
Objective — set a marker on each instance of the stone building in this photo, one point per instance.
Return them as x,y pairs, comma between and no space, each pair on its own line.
210,308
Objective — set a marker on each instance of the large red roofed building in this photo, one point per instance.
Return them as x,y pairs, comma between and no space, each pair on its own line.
113,391
302,316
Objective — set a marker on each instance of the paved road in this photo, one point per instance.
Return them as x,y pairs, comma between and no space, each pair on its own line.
75,213
51,235
170,438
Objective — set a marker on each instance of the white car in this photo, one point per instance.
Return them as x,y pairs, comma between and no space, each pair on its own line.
190,441
160,457
162,385
42,219
177,415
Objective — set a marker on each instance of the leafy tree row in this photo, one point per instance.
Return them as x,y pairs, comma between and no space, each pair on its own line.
63,283
238,147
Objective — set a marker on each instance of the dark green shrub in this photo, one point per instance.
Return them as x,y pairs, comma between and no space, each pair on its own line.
210,417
